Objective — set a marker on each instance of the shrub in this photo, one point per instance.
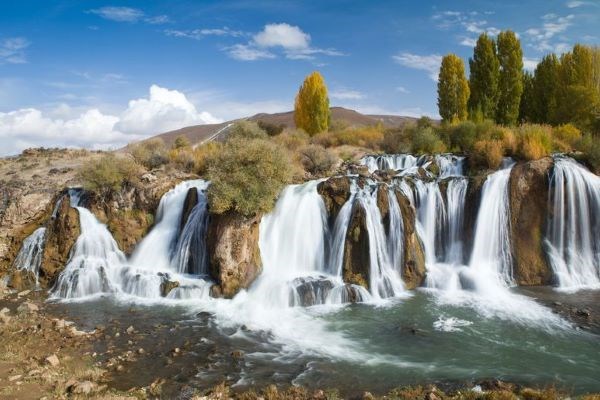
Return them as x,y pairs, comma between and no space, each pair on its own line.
293,139
316,159
247,176
246,130
426,140
182,158
396,141
203,154
487,154
271,129
506,136
368,136
108,173
150,153
566,137
534,141
463,136
590,146
181,142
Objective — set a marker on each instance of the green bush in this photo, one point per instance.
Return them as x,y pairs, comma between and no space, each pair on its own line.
566,137
316,159
247,175
395,141
590,146
534,141
150,153
181,142
292,139
463,136
246,130
108,173
426,141
203,154
271,129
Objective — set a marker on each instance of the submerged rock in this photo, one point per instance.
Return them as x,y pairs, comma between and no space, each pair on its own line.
232,242
528,196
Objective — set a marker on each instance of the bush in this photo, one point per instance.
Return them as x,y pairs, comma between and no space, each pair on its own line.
566,137
108,173
487,154
292,140
182,158
181,142
316,159
247,176
534,141
463,136
590,146
203,154
246,130
271,129
396,141
426,141
368,136
150,153
506,136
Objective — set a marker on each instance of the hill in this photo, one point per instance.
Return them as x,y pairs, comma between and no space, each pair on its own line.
201,133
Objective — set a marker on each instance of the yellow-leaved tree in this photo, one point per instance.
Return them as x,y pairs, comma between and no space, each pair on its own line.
311,109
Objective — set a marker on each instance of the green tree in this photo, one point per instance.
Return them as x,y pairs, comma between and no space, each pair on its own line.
510,83
453,89
526,109
483,80
311,110
545,90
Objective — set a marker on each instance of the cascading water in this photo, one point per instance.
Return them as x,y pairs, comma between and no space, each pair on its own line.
31,253
97,265
572,238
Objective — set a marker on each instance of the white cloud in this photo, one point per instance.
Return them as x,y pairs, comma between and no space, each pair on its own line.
430,63
575,4
402,89
162,111
345,94
12,50
541,37
470,22
201,33
294,43
128,14
244,52
530,63
469,42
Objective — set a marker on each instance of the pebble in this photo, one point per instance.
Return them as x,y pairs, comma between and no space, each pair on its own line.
130,330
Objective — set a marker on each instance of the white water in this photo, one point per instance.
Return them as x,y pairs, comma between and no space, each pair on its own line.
31,253
573,235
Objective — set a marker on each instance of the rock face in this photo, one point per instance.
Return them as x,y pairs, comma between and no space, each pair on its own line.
335,192
472,202
413,268
61,234
356,262
191,199
232,242
528,196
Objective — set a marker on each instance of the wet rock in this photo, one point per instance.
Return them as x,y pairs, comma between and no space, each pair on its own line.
191,199
310,291
166,286
237,355
413,263
232,242
335,192
356,261
528,194
52,360
130,330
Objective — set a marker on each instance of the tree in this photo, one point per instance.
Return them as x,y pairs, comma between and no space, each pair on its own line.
181,142
526,108
311,110
453,89
483,80
510,83
545,90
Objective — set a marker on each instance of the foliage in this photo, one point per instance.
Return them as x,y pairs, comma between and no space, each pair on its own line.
311,110
271,129
181,142
150,153
292,139
246,130
463,136
566,137
453,89
247,175
182,159
510,83
526,107
534,141
487,154
426,141
396,140
544,90
483,80
366,136
316,159
590,146
203,154
108,173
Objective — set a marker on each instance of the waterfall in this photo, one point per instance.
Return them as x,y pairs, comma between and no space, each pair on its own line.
384,278
96,264
31,253
491,249
395,238
455,200
340,230
573,227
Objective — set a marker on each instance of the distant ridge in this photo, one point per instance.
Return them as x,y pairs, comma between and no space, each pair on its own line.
200,133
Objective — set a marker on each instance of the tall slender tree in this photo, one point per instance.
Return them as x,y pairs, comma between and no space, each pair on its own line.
483,80
510,83
545,90
526,109
311,110
453,89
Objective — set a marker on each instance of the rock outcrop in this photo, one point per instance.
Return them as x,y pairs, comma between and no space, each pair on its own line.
191,199
356,261
471,209
528,194
232,242
335,192
413,262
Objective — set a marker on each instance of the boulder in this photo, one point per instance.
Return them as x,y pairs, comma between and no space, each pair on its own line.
413,262
335,192
191,199
232,242
356,261
166,286
528,194
61,234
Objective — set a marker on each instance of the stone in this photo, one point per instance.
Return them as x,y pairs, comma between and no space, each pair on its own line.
166,286
52,360
130,330
27,307
14,378
23,293
84,387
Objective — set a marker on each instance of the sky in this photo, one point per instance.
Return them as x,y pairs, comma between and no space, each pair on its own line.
100,74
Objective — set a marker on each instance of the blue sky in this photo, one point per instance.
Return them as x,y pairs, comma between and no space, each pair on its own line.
101,73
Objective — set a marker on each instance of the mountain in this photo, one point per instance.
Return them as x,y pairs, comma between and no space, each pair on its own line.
200,133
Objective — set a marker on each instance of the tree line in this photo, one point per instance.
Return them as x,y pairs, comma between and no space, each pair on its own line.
562,89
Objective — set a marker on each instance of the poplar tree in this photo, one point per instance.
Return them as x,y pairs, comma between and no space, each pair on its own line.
545,90
526,108
453,89
510,83
311,110
483,80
